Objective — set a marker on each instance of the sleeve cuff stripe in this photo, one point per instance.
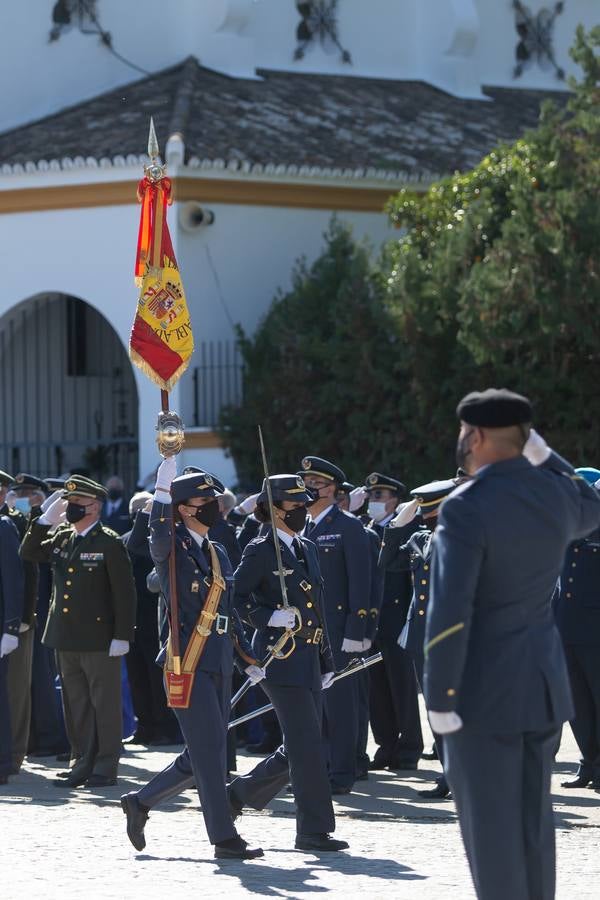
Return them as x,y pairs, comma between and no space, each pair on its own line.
443,635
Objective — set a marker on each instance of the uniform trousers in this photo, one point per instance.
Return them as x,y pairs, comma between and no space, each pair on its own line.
91,682
442,781
204,759
501,785
341,729
362,757
583,663
47,731
394,706
301,758
5,735
19,696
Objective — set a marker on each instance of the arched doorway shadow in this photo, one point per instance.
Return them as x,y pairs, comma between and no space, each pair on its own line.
69,397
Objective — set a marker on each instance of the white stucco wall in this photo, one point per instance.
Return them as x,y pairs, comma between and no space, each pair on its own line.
89,253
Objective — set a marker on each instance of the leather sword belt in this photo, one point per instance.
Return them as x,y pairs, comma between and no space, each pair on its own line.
221,624
310,635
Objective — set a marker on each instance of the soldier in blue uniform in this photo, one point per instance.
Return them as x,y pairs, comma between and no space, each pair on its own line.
394,702
345,561
496,683
577,611
415,554
204,722
11,610
293,684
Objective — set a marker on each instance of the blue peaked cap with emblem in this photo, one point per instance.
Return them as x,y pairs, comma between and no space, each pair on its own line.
195,484
430,496
314,465
285,487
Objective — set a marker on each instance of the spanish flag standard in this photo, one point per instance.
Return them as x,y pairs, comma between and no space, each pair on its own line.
161,341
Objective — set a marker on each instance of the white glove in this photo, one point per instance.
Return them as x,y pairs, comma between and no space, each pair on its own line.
367,644
249,504
283,618
118,648
54,514
405,513
10,499
8,643
444,722
50,500
165,474
357,498
327,680
255,673
536,450
350,646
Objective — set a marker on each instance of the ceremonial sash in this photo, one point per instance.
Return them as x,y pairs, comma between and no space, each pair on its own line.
179,686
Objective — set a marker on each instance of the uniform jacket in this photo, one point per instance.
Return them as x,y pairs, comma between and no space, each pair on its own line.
249,530
193,581
138,548
223,533
492,650
577,600
377,580
12,582
418,550
258,595
93,598
119,520
345,561
394,563
30,569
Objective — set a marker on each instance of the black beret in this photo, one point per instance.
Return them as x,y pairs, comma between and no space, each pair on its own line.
377,481
314,465
81,486
494,409
25,482
195,484
285,487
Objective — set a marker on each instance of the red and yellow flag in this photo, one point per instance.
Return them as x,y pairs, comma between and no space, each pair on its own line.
161,341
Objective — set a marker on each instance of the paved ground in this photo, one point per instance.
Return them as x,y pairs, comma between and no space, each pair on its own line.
58,845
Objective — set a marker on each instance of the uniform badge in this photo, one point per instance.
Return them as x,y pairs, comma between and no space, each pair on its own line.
20,478
285,572
71,486
208,480
195,587
372,479
306,463
300,482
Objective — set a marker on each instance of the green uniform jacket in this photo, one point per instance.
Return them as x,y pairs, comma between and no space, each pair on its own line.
93,599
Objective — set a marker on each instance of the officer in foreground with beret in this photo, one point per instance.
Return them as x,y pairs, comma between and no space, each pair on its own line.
189,504
577,611
294,683
90,622
27,493
345,562
496,683
416,554
394,701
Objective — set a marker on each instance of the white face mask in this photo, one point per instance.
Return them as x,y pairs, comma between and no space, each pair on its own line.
377,510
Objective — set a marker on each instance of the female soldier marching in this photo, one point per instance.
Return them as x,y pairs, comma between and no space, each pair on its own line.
293,683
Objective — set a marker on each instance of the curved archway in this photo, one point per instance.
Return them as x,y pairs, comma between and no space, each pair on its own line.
69,395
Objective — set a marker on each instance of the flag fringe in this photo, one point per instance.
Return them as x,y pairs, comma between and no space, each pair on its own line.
164,384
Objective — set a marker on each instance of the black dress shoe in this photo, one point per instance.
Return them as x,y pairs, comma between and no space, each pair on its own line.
337,789
378,765
237,848
70,782
65,774
100,781
137,816
319,842
439,792
579,782
404,765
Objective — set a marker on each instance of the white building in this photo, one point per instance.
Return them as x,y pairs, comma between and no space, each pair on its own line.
269,119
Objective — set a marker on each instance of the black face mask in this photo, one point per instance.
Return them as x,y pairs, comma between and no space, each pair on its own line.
75,512
314,495
462,449
295,519
115,494
208,513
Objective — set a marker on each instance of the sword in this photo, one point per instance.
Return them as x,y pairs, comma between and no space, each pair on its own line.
357,665
276,651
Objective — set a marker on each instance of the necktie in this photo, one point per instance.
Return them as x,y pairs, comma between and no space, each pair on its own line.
308,528
299,551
